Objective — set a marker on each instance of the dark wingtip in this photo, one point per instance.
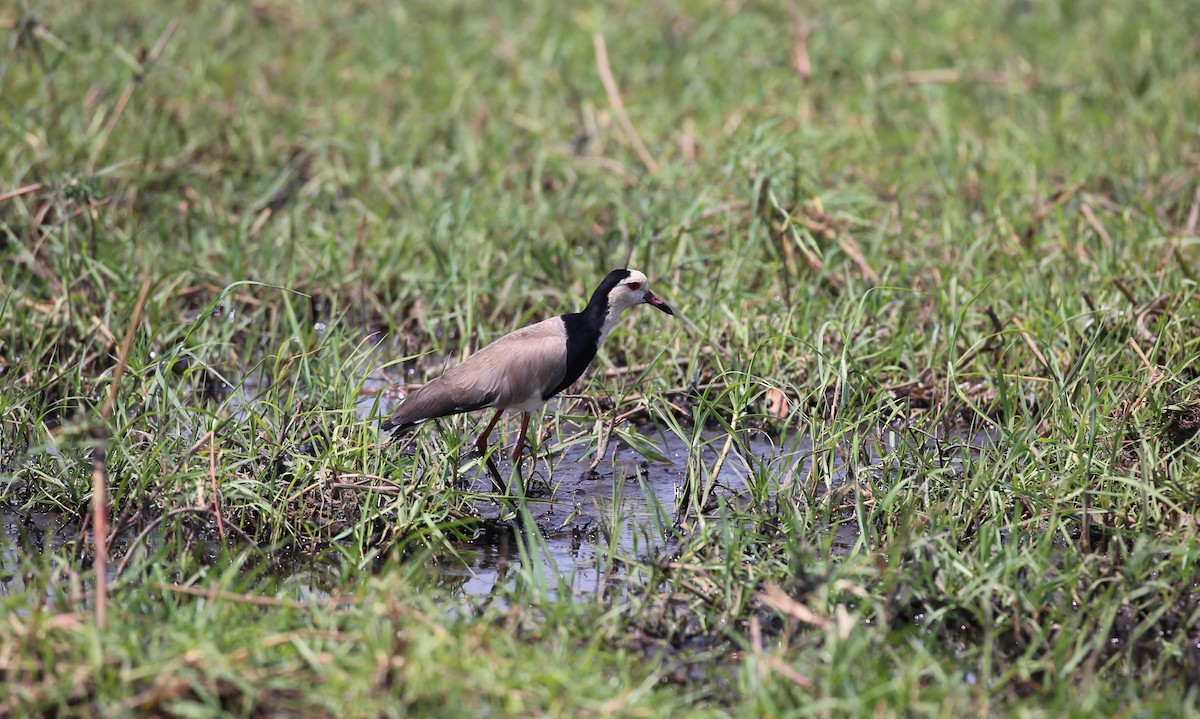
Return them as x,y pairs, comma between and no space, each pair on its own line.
396,429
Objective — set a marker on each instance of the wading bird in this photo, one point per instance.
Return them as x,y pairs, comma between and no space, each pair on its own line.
523,369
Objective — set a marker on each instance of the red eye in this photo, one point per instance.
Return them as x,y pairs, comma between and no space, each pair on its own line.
635,285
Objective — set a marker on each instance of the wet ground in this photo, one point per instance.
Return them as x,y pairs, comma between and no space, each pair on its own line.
587,521
630,508
625,509
35,533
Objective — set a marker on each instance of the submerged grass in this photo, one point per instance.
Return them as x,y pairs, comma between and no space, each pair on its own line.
888,228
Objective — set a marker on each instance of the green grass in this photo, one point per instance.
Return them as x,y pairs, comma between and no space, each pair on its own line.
971,216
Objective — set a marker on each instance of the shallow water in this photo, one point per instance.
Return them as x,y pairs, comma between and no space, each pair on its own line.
628,509
631,508
25,534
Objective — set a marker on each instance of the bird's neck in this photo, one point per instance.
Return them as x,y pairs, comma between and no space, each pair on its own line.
600,317
585,331
610,321
583,338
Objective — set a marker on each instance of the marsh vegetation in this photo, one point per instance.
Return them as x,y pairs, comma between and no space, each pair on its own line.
921,439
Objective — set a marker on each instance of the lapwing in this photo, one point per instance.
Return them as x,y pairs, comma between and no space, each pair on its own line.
524,369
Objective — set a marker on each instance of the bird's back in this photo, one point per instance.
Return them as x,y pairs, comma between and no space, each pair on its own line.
519,370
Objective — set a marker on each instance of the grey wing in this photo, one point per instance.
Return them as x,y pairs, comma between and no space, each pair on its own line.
437,398
517,367
513,370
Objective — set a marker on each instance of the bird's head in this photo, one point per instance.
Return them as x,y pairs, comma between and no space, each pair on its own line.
629,288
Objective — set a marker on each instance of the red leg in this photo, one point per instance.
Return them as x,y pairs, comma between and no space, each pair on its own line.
521,437
481,443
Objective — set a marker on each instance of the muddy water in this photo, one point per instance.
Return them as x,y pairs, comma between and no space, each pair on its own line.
27,534
625,510
631,509
583,521
586,524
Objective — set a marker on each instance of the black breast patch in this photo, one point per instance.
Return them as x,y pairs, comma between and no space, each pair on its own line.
583,338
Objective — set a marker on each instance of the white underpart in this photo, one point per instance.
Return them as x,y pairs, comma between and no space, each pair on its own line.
609,323
532,403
